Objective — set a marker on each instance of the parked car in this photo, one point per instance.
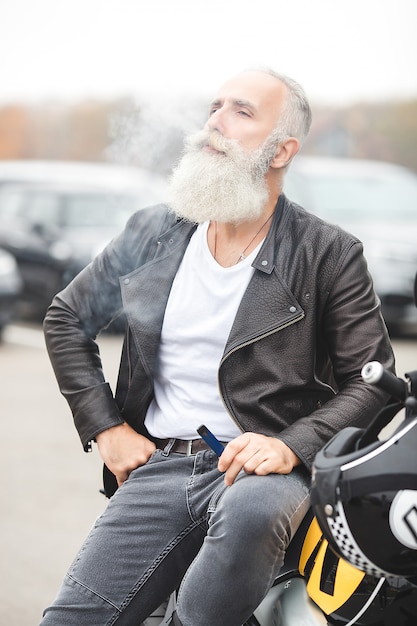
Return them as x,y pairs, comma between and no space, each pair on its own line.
10,288
54,220
377,202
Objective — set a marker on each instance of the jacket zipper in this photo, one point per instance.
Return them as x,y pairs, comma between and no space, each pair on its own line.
243,345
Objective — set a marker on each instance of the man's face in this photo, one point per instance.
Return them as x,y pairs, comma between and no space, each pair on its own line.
247,109
222,175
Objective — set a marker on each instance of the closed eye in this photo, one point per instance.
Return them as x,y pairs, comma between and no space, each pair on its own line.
245,108
241,107
215,106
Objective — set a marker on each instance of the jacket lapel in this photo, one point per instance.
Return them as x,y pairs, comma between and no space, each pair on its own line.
267,306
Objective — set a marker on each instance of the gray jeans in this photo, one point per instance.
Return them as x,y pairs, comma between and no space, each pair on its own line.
174,520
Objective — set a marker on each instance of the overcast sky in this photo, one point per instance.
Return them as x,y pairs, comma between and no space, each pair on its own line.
339,50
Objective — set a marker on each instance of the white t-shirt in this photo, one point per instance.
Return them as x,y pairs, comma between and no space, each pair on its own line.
199,315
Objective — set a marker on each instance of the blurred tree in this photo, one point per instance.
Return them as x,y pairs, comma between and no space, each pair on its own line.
383,131
398,125
14,131
49,131
151,135
87,131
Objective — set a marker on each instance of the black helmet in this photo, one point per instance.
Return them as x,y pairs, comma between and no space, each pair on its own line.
365,499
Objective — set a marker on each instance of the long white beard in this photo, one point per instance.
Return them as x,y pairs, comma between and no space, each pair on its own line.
224,186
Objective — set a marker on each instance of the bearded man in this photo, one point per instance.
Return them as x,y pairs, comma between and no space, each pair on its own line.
245,313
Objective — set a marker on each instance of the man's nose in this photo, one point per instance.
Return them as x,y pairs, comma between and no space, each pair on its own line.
216,122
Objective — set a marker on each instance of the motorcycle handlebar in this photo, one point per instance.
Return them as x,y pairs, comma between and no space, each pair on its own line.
375,374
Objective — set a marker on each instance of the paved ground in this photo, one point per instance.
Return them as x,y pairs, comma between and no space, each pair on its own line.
49,486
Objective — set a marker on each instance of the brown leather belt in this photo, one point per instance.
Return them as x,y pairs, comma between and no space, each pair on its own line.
183,446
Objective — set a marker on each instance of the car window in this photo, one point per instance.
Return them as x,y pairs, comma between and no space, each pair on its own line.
355,198
28,206
42,208
98,210
11,202
61,208
365,198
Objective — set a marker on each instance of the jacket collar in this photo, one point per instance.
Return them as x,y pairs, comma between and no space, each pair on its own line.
265,259
180,232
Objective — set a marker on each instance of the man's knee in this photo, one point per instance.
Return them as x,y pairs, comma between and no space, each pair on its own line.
254,506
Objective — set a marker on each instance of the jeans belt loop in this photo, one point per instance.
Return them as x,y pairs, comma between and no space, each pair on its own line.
168,447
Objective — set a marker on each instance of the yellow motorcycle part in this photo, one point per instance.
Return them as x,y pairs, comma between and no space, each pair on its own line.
345,579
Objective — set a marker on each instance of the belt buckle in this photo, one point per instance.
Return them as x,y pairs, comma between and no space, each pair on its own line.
189,447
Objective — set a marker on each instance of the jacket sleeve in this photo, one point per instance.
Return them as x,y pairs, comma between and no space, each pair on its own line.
77,315
354,333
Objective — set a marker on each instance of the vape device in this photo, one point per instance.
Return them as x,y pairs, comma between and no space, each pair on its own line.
210,439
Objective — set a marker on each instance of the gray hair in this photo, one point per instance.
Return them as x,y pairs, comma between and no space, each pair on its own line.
295,118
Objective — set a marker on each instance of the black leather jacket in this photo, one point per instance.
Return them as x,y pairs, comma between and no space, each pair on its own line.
307,323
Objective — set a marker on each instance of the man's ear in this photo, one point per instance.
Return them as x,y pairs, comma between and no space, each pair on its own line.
285,152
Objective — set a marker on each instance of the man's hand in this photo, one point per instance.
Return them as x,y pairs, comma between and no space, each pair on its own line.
256,454
123,450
